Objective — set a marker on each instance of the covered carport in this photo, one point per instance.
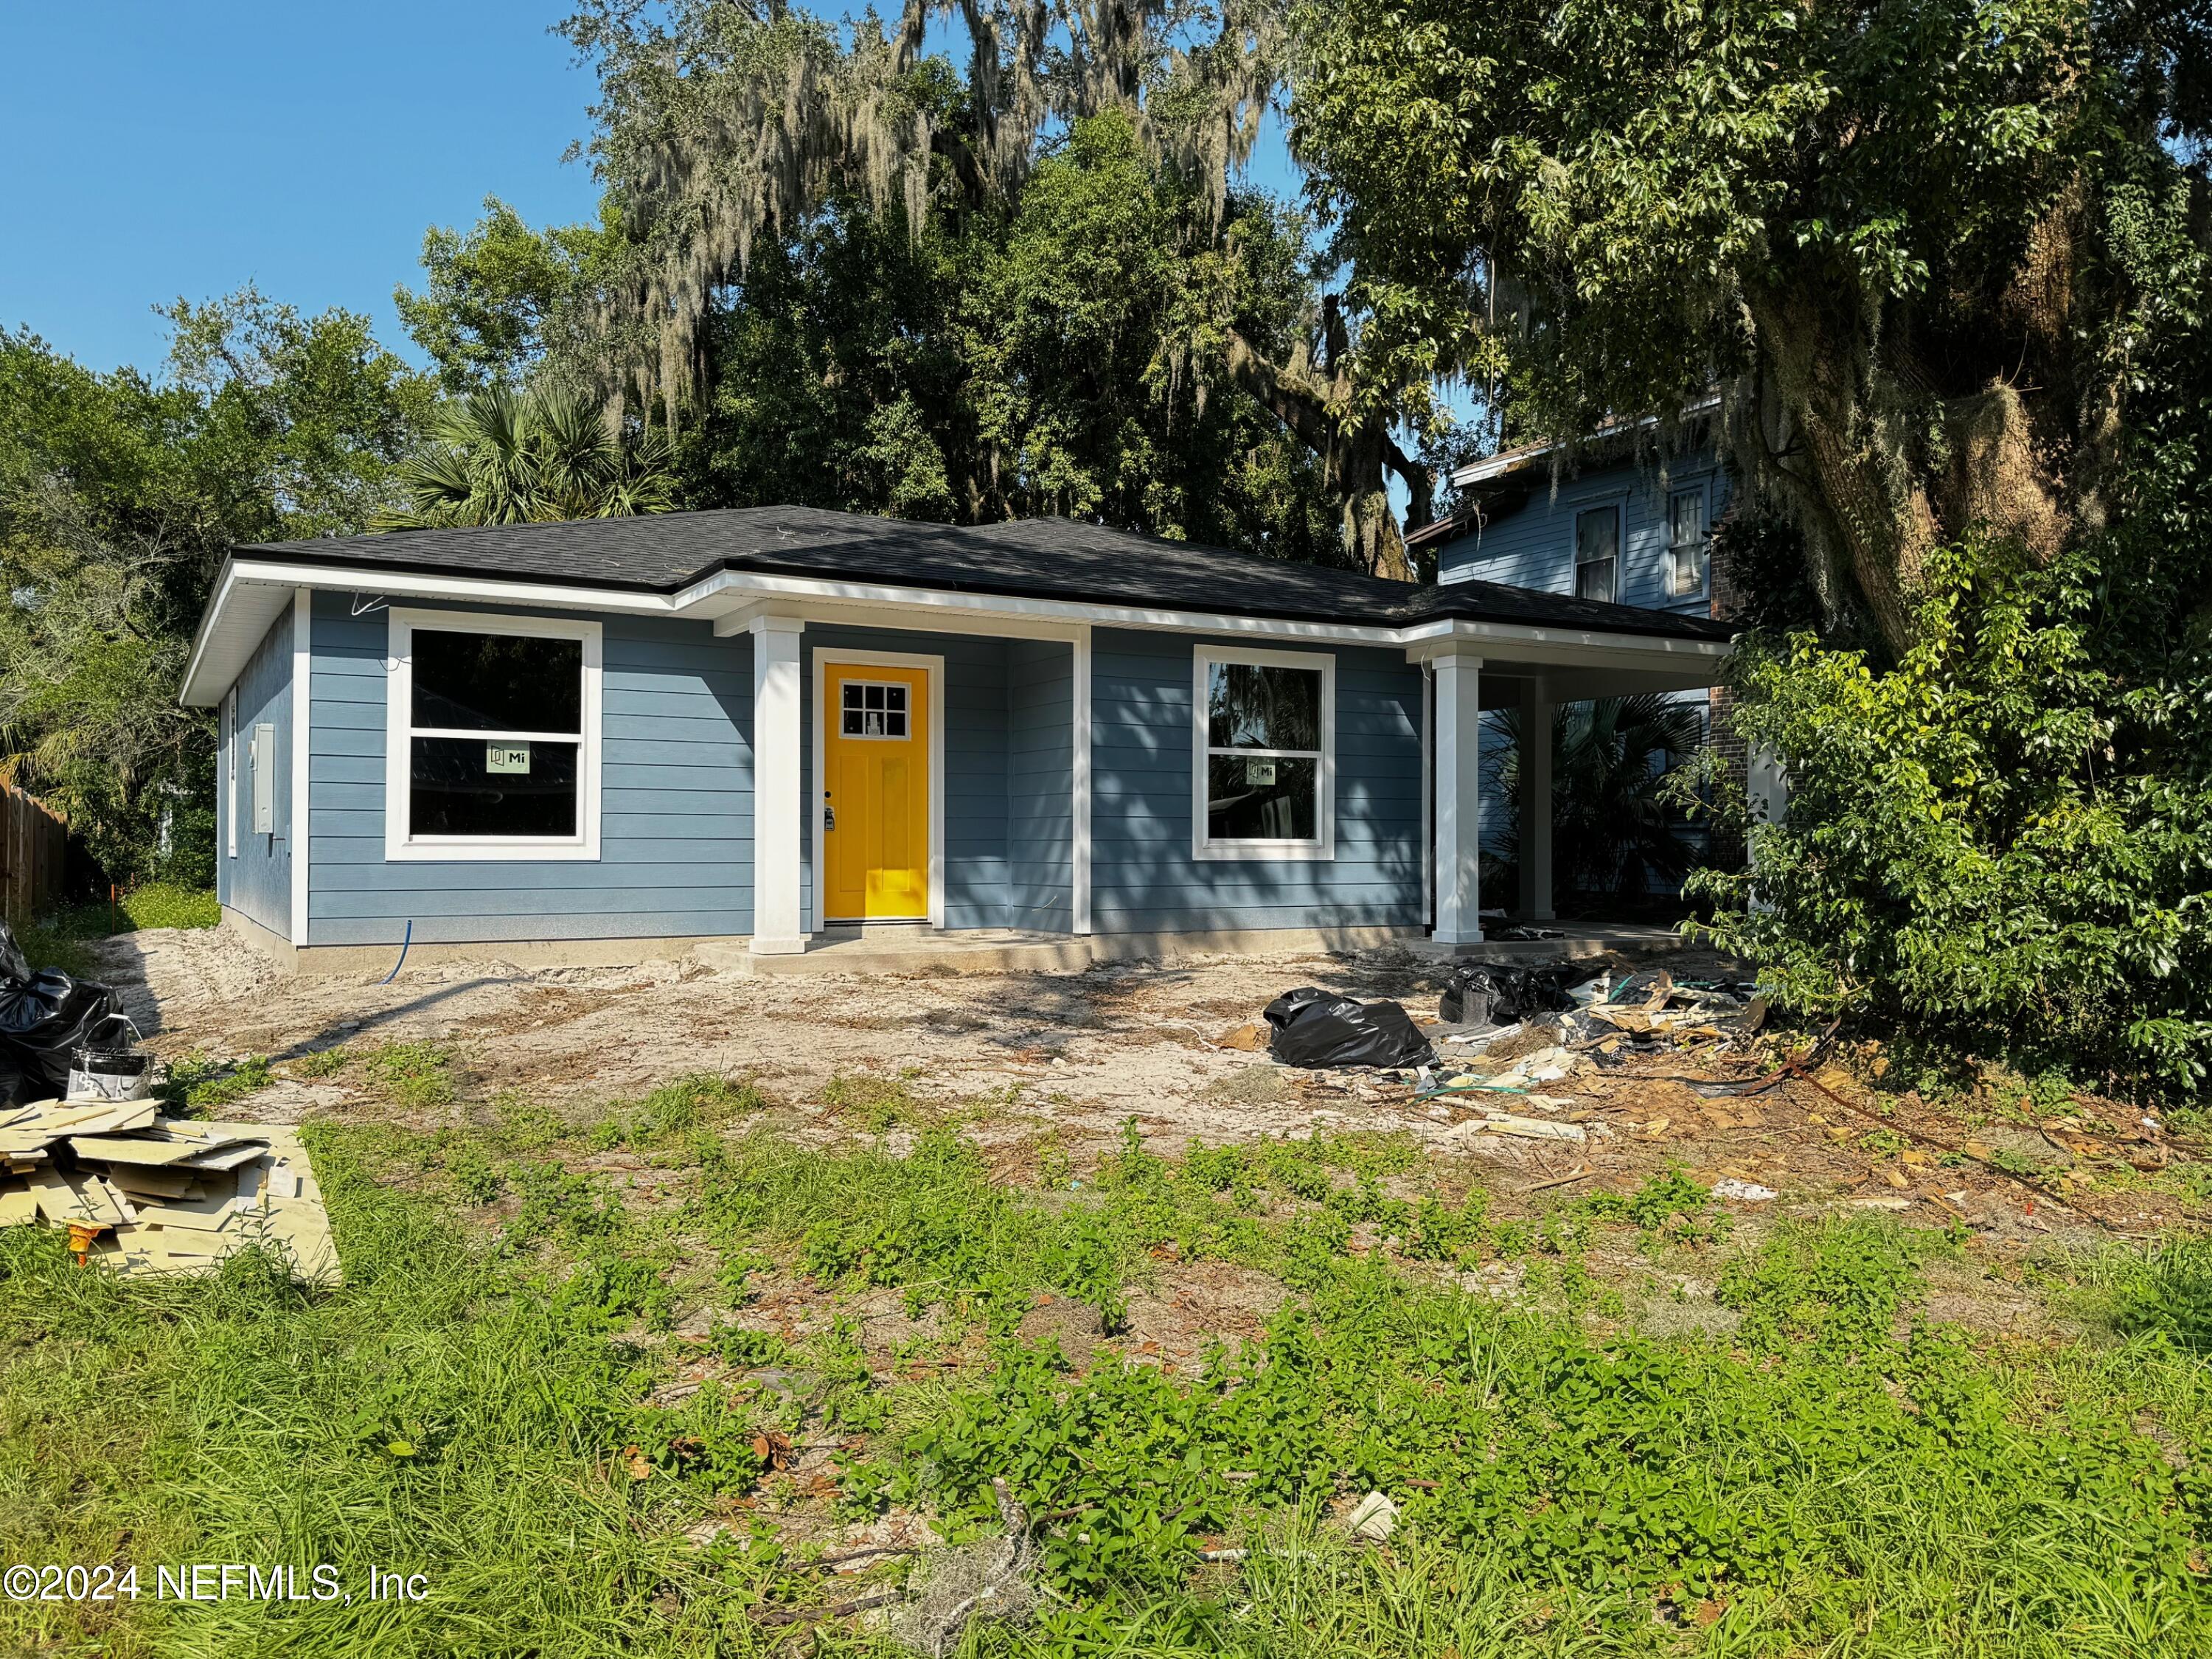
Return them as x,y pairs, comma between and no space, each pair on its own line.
1476,663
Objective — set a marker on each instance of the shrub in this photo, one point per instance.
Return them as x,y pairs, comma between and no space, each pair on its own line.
2000,841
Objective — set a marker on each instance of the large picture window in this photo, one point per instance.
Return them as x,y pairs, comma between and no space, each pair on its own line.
1263,754
493,737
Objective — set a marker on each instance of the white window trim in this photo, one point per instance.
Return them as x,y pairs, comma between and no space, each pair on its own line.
400,845
1704,487
1203,847
230,771
933,667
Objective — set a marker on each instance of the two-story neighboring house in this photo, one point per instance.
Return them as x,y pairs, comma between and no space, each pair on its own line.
1634,530
1628,518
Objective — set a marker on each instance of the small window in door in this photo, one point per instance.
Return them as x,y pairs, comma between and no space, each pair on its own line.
1597,553
873,709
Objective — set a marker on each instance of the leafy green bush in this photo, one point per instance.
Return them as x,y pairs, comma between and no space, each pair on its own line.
2001,842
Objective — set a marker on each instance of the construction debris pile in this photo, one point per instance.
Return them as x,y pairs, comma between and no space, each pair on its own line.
1611,1020
150,1194
1506,1036
84,1145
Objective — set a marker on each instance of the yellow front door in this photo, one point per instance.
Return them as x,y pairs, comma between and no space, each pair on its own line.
875,779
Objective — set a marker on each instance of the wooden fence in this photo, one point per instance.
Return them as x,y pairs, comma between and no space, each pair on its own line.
34,844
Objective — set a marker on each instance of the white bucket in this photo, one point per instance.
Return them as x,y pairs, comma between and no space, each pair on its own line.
98,1071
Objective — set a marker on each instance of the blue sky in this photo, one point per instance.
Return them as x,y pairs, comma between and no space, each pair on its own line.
164,150
159,150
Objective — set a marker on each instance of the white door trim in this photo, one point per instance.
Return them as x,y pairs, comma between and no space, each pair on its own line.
932,666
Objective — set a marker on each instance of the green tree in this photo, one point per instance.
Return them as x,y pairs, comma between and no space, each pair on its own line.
499,456
735,139
1947,265
1894,231
498,296
119,495
1005,365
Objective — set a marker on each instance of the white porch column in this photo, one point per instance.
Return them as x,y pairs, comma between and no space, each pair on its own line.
1459,798
1078,910
779,814
1536,802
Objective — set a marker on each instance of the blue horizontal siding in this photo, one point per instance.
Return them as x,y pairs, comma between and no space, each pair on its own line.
676,802
1144,878
258,883
677,830
1040,807
1533,545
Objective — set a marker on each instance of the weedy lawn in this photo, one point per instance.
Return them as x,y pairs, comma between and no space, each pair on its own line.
553,1390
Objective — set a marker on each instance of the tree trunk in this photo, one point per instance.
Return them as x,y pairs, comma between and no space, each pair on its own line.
1354,447
1879,465
1831,440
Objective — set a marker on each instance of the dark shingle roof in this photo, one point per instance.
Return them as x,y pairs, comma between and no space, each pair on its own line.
1038,558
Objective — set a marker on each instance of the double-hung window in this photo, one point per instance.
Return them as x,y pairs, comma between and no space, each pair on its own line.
492,738
1686,541
1263,755
1597,553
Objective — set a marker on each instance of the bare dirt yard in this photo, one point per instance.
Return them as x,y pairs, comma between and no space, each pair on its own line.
1031,1062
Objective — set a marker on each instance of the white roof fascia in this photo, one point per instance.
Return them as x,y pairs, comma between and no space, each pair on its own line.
218,657
1589,648
736,593
248,588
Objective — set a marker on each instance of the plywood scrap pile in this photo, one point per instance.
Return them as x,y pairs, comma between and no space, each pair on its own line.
149,1193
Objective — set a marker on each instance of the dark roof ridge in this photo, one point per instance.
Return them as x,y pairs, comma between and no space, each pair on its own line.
1051,558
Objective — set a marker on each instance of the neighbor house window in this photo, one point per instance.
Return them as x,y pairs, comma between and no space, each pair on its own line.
1597,553
1263,754
1687,542
494,738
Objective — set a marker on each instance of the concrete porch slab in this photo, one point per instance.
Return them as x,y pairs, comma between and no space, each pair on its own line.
1577,941
908,950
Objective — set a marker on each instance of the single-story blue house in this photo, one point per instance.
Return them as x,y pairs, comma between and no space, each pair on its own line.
603,740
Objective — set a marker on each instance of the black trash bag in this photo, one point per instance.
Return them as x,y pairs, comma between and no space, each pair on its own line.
1470,999
41,1022
1314,1028
14,968
1493,995
1641,989
1573,1028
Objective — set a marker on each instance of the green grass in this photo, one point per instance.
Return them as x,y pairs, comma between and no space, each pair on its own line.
57,938
198,1086
478,1403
